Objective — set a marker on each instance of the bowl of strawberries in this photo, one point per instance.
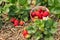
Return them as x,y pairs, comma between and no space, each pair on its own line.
39,12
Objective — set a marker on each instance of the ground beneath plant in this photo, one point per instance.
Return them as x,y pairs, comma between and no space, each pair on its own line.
12,33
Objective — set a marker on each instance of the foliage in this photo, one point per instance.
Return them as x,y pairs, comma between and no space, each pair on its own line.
20,9
43,29
15,8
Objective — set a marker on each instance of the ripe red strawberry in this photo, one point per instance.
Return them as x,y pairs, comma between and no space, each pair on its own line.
21,23
12,20
40,15
45,14
25,32
37,13
33,14
16,22
40,10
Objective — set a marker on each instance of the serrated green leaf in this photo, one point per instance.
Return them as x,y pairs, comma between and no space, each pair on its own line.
31,30
12,10
49,38
55,10
12,1
51,2
38,36
49,23
22,2
26,19
53,30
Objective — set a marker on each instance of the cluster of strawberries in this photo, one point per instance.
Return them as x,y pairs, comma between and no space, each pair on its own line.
16,22
40,13
37,13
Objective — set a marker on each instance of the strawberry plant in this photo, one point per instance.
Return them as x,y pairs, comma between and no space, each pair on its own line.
42,29
15,8
20,10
